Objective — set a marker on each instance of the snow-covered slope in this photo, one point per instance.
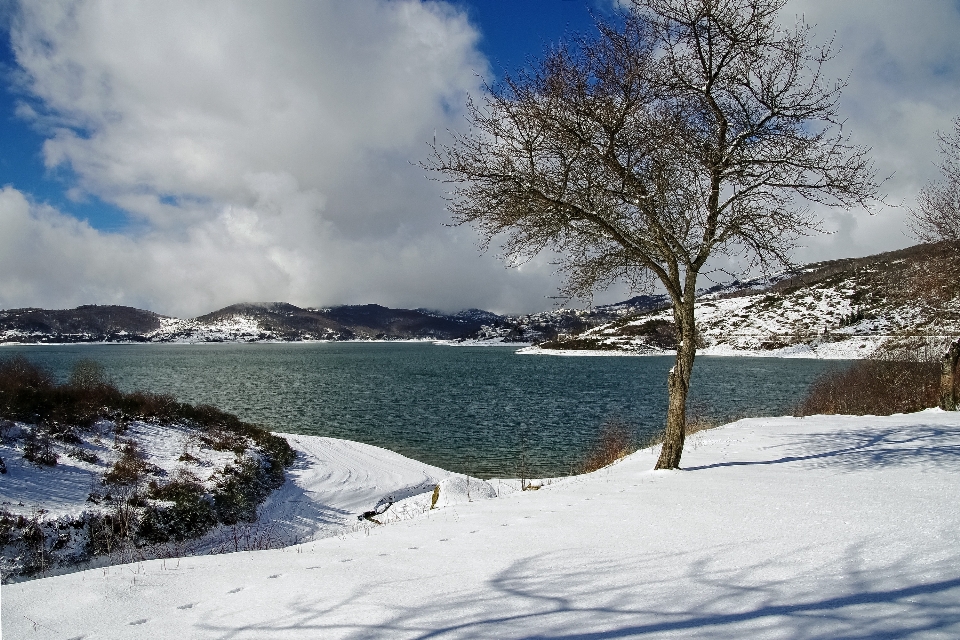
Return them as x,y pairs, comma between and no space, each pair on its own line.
821,527
330,484
839,309
333,482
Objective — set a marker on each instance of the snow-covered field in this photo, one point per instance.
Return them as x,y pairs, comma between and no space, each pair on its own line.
821,527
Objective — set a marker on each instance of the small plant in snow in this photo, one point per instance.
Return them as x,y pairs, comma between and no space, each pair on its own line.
614,441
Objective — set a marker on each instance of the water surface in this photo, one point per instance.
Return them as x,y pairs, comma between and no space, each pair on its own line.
479,410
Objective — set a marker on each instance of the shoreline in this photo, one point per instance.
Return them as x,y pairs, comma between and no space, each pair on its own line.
852,349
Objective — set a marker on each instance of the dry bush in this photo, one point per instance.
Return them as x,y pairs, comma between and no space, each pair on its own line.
38,448
614,441
255,536
129,467
895,380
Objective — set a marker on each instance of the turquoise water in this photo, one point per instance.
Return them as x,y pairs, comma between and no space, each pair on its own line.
472,409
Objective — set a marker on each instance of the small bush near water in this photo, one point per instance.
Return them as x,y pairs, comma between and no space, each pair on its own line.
614,441
617,439
892,381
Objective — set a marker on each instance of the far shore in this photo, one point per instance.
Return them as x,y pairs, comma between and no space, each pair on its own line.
852,349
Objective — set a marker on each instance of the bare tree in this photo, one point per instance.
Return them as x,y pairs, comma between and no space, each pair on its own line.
686,129
937,216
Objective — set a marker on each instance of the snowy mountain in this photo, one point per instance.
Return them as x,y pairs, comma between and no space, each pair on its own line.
246,322
840,309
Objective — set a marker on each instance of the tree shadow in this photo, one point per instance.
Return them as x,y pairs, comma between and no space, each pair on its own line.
924,445
539,597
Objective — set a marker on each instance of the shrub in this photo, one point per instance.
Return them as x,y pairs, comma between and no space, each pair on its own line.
111,531
893,381
241,488
38,449
191,514
614,441
128,469
78,453
87,374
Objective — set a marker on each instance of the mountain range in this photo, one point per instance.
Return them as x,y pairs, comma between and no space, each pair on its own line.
837,308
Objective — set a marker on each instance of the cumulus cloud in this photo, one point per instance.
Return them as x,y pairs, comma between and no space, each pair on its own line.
264,150
901,62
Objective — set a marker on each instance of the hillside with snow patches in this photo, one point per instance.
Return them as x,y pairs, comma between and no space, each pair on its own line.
836,309
816,527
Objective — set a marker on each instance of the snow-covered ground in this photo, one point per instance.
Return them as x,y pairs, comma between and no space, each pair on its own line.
63,490
821,527
850,348
334,481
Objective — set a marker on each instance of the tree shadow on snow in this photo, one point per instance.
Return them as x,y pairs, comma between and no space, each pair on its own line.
867,448
540,597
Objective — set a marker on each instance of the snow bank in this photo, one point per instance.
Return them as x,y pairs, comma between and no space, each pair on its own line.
334,481
821,527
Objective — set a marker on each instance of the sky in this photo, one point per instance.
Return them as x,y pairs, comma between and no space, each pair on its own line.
183,156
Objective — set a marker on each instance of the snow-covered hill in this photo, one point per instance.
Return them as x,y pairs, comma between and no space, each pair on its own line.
820,527
835,309
838,309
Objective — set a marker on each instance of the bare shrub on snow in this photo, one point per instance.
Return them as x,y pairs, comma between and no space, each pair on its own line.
898,378
614,441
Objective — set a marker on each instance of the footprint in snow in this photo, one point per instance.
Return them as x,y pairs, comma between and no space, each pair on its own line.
189,605
235,590
140,621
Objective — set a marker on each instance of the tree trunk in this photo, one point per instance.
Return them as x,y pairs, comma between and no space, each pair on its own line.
678,384
948,370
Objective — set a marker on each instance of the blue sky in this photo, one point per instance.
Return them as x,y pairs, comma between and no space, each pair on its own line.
182,156
21,160
512,30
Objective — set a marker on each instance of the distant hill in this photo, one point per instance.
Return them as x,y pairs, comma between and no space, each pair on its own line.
89,323
245,322
838,308
283,322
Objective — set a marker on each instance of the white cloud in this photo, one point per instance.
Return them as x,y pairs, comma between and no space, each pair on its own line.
264,149
902,64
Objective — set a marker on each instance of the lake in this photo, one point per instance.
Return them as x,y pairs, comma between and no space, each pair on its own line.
478,410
